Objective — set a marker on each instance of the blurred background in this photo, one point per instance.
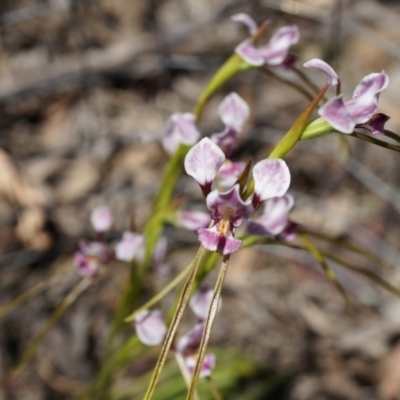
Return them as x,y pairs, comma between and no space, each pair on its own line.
86,89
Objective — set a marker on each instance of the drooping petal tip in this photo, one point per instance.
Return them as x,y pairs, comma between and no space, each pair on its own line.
333,78
246,20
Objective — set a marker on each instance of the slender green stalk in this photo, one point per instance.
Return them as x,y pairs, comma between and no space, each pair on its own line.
213,389
24,297
59,311
212,313
184,298
319,257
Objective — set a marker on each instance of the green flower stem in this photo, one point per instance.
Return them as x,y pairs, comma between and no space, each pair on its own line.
231,67
373,140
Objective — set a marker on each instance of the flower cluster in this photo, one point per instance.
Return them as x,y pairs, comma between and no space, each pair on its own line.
228,209
151,330
181,128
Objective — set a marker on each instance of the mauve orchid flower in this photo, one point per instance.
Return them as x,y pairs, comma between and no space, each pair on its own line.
193,220
274,218
150,327
359,111
130,247
101,219
90,256
273,53
182,129
228,209
200,303
233,112
229,173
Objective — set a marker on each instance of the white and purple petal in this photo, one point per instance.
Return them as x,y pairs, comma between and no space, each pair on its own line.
271,179
224,243
249,53
203,161
335,112
129,247
150,327
208,365
234,111
181,129
275,52
193,220
191,340
372,84
101,251
200,303
229,173
227,140
274,218
101,219
333,78
247,21
85,265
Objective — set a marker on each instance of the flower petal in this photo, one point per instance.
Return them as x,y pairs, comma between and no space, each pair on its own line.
150,327
249,52
191,340
333,79
101,219
271,179
181,129
246,20
129,247
203,161
212,240
372,84
200,303
376,125
274,218
234,111
99,250
227,140
229,173
231,203
208,365
337,115
275,52
193,220
86,266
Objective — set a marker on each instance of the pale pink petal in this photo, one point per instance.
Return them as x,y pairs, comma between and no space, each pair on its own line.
100,250
181,129
227,140
193,220
129,247
333,79
249,53
191,340
150,327
200,303
203,161
208,365
337,115
271,179
372,84
101,219
213,240
274,218
160,250
246,20
229,173
276,51
234,111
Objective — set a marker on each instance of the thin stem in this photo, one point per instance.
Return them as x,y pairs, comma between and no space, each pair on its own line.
378,142
306,79
184,371
161,294
294,85
184,298
59,311
392,135
213,389
208,327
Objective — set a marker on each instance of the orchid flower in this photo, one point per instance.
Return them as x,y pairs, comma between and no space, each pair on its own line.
228,209
274,53
192,220
359,111
101,219
274,219
90,256
182,129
